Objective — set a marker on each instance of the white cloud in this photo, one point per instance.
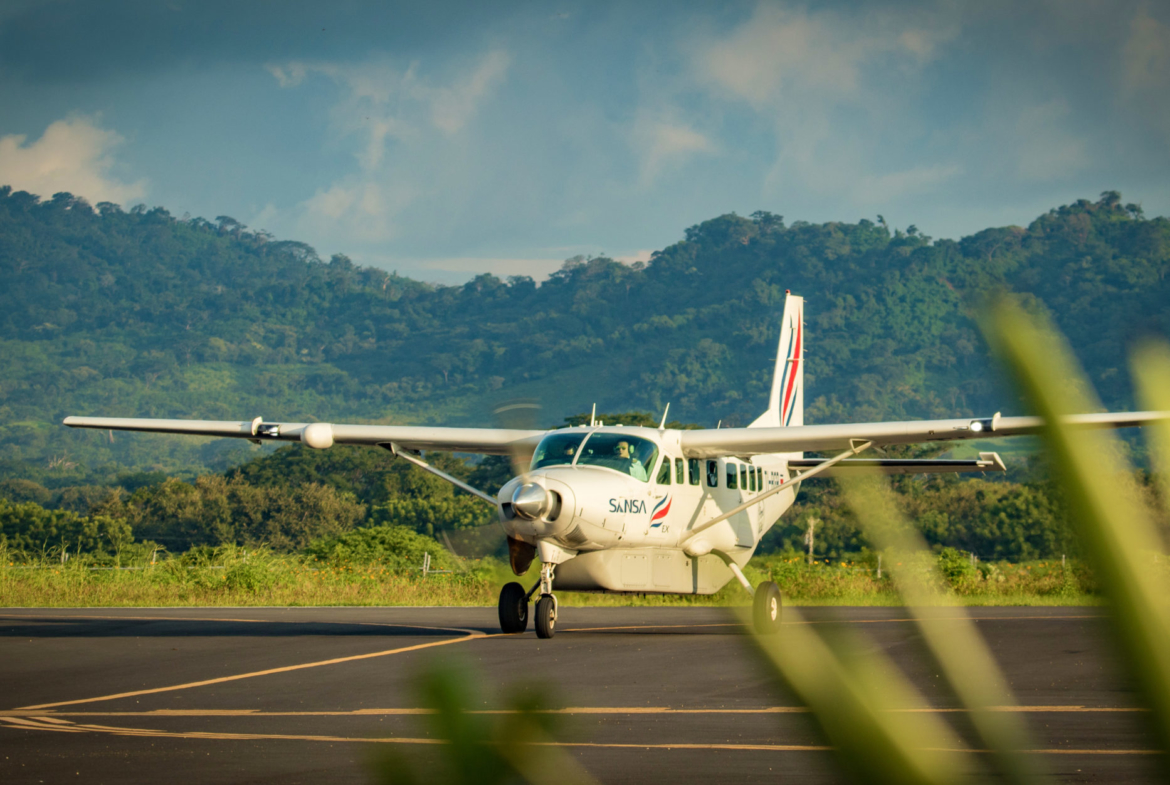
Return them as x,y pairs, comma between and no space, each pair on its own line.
1045,147
363,210
288,75
72,155
452,107
663,143
1146,55
1146,68
877,189
780,51
409,134
637,256
537,269
832,87
383,103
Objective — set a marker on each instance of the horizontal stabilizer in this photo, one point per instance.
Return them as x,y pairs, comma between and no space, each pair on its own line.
988,462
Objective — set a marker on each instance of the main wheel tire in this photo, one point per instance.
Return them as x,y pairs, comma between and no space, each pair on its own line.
513,608
767,608
545,617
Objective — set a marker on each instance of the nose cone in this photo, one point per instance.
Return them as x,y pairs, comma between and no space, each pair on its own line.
530,501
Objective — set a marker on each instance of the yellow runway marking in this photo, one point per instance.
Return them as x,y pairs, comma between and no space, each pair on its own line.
469,635
563,630
47,715
130,618
951,618
649,627
825,621
217,619
152,733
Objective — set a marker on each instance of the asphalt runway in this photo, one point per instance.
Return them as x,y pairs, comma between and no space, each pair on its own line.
645,695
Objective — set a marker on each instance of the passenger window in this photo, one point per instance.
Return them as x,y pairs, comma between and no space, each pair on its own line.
693,469
743,478
761,471
664,471
680,471
732,475
752,478
712,474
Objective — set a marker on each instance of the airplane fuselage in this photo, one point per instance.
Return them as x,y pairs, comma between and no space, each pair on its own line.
611,530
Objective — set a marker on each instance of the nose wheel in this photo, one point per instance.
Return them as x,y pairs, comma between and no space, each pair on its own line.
546,616
546,606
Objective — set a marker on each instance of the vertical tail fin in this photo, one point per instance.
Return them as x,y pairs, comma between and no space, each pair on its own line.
786,403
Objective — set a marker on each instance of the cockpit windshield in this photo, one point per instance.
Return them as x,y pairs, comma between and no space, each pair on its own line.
627,454
557,449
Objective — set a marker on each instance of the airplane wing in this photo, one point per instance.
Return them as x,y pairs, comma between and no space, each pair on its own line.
987,462
487,441
720,442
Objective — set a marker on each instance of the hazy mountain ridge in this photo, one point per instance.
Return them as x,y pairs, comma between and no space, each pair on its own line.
141,314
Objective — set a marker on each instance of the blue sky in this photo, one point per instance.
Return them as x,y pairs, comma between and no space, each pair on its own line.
447,139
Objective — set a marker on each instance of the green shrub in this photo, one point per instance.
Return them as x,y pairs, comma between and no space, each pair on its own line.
215,511
429,515
956,567
398,548
249,576
29,528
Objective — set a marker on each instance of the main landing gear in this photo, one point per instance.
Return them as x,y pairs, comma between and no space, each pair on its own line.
767,604
513,608
766,608
514,605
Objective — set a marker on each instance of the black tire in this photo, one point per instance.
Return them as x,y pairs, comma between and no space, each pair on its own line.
767,607
513,608
545,618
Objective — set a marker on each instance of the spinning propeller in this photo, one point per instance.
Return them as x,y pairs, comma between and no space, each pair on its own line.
529,500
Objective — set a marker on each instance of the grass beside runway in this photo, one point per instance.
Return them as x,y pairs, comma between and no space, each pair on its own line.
257,578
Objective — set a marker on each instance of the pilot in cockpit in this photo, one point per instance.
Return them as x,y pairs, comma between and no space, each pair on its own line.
629,462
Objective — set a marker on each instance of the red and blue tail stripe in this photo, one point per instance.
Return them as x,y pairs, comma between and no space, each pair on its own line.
791,372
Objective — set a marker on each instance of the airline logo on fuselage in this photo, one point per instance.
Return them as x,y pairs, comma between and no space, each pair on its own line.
661,510
627,505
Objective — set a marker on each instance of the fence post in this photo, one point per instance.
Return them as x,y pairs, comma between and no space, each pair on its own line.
808,538
426,564
879,566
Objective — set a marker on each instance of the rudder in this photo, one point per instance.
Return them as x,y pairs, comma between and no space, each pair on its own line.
786,403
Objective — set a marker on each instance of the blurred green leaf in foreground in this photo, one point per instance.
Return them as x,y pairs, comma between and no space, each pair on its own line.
1116,529
481,747
864,704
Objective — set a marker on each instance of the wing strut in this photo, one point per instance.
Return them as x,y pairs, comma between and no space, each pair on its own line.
856,446
397,451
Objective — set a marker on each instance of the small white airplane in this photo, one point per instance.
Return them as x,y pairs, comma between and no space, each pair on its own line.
614,508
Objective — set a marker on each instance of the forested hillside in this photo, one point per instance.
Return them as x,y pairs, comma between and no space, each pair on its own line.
140,313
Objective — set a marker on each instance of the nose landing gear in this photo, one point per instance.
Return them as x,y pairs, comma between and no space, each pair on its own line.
514,605
546,616
546,607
